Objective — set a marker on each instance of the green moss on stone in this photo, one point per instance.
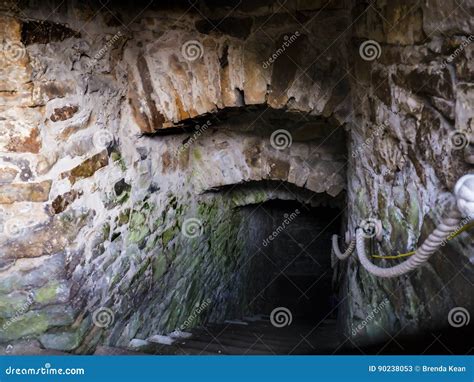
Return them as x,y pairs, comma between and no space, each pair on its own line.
116,157
197,154
23,328
114,280
138,230
137,235
124,196
123,217
414,213
399,235
141,270
137,219
175,311
12,303
168,235
159,267
47,293
105,231
147,207
362,203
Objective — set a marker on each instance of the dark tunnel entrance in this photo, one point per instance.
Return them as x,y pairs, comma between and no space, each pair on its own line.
288,300
289,245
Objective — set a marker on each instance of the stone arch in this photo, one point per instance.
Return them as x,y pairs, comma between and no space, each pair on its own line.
232,160
186,73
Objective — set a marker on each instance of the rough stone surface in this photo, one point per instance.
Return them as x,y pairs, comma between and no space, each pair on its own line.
106,154
185,74
32,192
404,167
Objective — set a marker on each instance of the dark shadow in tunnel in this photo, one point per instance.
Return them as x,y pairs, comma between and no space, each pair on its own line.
290,248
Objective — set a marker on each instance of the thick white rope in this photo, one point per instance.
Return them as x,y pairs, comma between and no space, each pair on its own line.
347,252
337,251
464,192
432,243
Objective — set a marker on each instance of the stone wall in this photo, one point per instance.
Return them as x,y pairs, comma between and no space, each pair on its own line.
411,94
111,233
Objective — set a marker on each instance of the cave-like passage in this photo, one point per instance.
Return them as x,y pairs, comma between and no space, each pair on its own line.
289,303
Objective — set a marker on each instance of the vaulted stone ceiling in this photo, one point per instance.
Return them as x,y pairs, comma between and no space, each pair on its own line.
234,63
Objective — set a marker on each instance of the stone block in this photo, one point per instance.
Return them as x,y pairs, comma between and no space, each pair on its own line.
21,192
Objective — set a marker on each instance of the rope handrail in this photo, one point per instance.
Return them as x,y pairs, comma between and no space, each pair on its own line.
452,236
447,229
421,255
342,255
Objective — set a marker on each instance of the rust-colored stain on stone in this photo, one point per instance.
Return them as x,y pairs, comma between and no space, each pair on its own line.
169,162
252,154
53,89
61,202
157,119
279,169
64,113
183,114
183,159
139,115
30,144
88,167
25,192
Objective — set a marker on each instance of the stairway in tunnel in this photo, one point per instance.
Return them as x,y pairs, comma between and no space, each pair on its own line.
289,303
252,336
